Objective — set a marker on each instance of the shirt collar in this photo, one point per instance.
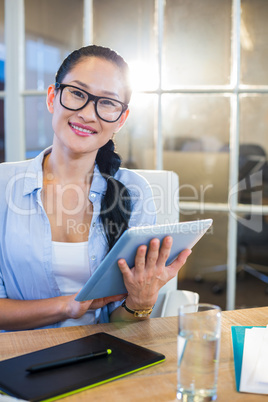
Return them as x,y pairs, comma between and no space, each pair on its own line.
34,176
99,184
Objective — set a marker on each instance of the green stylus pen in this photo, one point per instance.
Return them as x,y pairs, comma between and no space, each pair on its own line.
71,360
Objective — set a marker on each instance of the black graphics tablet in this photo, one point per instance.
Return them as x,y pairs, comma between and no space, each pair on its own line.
107,280
55,383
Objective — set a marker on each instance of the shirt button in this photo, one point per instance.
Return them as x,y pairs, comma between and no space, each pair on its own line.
93,257
93,224
93,195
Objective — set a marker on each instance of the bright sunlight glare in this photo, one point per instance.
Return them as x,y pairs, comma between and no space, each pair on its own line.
143,76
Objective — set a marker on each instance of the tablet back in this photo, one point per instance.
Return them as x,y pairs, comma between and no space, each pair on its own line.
107,280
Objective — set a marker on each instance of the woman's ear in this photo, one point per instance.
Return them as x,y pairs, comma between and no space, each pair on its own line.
50,98
122,121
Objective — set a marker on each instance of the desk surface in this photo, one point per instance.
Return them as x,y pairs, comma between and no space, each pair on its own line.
160,334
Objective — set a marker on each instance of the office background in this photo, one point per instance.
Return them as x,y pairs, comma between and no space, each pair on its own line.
199,108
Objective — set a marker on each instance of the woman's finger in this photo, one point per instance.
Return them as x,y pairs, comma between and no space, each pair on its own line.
164,251
179,262
98,303
140,259
124,268
152,254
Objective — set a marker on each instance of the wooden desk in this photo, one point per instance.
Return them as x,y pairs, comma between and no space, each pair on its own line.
156,383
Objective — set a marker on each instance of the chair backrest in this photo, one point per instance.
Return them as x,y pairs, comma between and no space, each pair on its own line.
165,187
176,298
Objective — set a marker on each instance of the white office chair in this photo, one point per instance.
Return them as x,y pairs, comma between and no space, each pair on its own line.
165,187
176,298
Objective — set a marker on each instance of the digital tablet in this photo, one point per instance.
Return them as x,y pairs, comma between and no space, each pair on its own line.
107,280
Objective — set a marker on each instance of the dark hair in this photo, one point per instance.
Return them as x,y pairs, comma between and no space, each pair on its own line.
116,203
96,51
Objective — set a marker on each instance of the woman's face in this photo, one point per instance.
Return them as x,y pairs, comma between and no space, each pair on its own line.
83,131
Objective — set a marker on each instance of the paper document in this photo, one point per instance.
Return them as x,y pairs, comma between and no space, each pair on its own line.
254,373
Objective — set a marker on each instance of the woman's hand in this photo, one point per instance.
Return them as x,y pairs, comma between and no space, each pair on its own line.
28,314
76,309
150,272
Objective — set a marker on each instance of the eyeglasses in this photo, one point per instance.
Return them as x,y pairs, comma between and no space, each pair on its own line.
74,98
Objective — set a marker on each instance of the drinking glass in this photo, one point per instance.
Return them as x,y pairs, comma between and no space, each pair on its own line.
198,352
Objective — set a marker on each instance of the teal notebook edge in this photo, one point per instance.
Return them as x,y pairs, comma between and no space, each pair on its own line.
238,337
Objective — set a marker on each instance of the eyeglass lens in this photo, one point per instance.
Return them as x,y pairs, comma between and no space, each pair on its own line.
75,98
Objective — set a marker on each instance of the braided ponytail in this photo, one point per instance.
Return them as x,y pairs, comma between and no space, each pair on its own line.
116,203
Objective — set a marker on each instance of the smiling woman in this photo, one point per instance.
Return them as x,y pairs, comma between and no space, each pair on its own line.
83,202
83,130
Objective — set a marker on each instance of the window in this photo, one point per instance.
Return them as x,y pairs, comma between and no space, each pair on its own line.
52,30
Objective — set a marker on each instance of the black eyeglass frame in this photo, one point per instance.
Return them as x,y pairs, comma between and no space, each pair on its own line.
91,97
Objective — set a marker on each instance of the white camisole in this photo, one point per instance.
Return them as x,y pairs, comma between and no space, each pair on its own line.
70,264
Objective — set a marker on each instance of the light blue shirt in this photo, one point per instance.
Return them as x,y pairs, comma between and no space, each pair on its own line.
25,234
